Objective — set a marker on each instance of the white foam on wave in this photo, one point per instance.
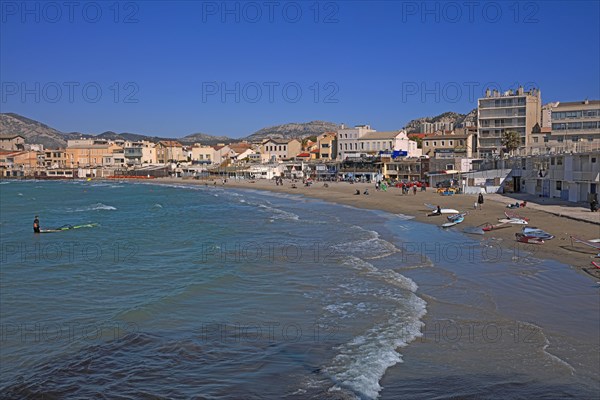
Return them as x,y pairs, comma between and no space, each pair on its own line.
362,362
367,248
95,207
279,214
387,275
553,357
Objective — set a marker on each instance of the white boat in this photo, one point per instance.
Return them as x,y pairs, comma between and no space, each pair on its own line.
513,221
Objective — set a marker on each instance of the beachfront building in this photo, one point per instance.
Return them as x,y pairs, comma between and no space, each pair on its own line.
571,177
576,126
139,153
89,153
272,150
376,143
450,146
55,158
266,171
12,142
498,113
21,163
327,146
169,151
407,169
348,144
200,154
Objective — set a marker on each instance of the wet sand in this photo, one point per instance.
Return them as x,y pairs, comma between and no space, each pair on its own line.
561,248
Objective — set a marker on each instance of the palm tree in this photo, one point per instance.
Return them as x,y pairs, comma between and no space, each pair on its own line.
511,141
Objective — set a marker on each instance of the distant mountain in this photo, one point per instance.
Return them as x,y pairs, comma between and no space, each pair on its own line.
293,130
458,119
32,131
205,139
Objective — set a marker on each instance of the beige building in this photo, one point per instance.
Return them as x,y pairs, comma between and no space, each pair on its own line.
12,142
498,113
326,146
372,143
279,149
169,151
56,158
450,146
90,155
576,126
202,154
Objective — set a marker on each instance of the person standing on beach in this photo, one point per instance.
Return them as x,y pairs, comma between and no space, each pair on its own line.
414,189
480,200
36,225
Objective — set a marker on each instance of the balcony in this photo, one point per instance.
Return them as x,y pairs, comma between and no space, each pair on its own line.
586,176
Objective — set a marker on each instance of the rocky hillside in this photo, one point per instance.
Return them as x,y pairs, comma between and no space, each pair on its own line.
293,130
458,119
205,139
32,131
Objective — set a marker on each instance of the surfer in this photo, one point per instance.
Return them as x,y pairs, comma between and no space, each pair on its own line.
36,225
436,212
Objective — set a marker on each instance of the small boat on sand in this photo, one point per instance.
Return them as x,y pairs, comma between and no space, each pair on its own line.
533,231
528,239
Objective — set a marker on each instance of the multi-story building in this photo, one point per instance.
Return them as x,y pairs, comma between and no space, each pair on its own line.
55,158
405,169
572,177
374,143
139,153
498,113
169,151
450,146
347,138
279,149
200,154
576,125
327,146
89,154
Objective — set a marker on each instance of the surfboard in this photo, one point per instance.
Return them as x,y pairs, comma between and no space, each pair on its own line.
67,228
454,222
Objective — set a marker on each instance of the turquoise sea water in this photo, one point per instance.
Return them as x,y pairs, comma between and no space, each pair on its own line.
204,292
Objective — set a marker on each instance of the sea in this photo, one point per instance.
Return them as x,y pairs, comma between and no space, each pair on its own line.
209,292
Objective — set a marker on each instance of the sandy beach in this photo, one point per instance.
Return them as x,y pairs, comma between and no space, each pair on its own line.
561,248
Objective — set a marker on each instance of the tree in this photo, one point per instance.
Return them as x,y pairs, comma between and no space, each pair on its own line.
511,141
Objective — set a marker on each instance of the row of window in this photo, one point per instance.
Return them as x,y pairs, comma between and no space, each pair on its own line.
443,143
276,148
575,114
369,146
575,125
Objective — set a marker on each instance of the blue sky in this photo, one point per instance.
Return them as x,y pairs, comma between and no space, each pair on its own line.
171,69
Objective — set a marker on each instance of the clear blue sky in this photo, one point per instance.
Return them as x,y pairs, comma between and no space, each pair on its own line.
171,69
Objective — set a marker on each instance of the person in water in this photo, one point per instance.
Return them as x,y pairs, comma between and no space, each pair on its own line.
36,225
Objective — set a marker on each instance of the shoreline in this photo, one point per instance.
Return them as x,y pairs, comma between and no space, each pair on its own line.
559,249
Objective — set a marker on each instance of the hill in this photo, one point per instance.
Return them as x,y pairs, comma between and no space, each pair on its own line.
293,131
32,131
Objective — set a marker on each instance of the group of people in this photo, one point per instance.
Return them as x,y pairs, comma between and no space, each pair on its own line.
358,192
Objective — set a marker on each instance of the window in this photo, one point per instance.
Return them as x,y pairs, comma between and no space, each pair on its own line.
559,161
442,143
558,185
535,140
451,143
593,159
449,166
434,144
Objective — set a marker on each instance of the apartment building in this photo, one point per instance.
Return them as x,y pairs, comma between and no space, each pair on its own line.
327,146
450,146
12,142
348,144
510,111
279,149
169,151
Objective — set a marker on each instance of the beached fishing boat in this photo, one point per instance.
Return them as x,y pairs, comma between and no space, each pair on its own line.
533,231
513,215
528,239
